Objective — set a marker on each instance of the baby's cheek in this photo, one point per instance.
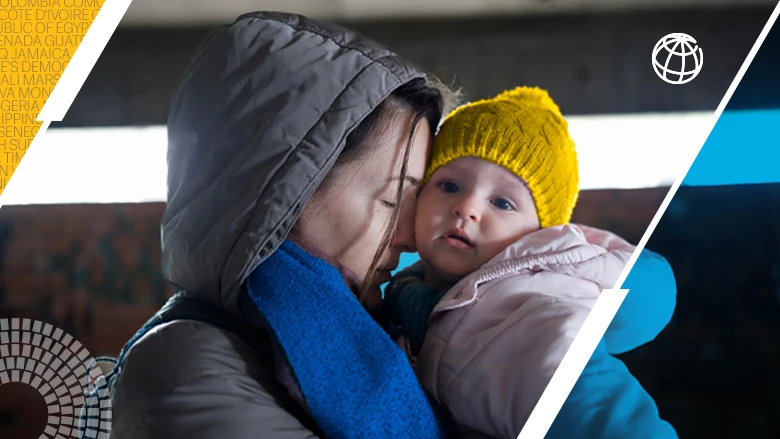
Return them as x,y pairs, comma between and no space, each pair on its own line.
420,244
483,256
422,230
491,249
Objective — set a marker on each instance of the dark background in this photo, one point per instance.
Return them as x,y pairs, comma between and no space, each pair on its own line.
93,270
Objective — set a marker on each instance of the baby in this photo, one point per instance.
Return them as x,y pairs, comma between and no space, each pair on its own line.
505,281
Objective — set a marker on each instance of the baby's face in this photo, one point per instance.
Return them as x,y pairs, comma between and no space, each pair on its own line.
469,211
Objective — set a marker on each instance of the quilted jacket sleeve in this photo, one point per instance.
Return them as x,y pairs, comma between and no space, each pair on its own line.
190,380
648,306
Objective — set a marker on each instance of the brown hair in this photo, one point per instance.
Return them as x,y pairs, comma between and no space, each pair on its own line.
426,99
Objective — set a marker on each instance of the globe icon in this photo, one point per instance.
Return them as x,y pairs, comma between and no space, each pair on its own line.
677,58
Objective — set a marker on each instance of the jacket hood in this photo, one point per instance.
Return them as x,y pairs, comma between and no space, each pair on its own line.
259,118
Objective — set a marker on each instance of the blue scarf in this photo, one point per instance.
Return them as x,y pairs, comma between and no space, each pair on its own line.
357,383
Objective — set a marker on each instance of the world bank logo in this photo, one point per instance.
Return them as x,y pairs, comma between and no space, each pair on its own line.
677,58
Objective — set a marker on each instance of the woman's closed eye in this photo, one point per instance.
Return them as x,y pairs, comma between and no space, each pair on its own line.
503,204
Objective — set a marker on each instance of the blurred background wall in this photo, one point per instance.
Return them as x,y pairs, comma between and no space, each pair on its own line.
93,270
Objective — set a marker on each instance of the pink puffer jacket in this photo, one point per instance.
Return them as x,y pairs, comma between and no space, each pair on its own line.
498,336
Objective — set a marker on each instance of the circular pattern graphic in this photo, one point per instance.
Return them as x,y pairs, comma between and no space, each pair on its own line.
62,371
684,51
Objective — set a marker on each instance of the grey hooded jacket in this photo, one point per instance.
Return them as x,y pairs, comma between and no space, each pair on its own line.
257,122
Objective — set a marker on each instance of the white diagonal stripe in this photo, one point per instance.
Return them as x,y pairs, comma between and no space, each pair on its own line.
83,61
72,79
573,363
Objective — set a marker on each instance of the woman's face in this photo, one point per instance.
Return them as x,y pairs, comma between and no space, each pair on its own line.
348,220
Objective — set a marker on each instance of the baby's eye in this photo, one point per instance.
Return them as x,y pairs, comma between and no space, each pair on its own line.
449,187
503,204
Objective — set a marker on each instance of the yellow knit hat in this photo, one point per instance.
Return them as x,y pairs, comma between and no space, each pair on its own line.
523,131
